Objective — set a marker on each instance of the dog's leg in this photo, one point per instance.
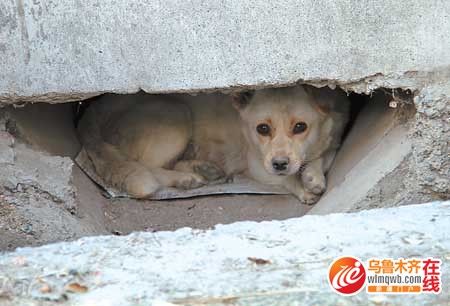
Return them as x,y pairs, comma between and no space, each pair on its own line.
293,184
134,179
313,176
178,179
129,176
206,169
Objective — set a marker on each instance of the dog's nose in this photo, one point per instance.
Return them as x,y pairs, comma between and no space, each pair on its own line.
280,163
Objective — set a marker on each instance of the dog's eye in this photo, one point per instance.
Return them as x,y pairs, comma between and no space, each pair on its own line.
263,129
299,127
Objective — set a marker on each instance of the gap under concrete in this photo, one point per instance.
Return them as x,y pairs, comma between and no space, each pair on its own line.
375,147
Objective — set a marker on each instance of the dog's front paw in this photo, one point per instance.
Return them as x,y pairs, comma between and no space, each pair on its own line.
315,184
209,171
310,198
189,181
295,186
306,197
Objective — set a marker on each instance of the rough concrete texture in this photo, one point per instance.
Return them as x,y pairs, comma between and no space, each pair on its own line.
67,50
37,201
23,166
432,133
192,267
37,198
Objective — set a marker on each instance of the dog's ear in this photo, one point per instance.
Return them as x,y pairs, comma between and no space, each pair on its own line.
240,100
323,98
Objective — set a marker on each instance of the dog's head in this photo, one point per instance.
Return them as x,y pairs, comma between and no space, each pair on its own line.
281,125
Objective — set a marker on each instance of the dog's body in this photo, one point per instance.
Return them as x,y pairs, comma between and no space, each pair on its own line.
140,143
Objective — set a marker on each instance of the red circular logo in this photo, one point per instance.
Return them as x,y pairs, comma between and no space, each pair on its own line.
347,275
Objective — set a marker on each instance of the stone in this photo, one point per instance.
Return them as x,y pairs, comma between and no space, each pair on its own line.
65,50
288,263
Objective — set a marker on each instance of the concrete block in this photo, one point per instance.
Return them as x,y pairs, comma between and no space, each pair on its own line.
61,50
192,267
37,201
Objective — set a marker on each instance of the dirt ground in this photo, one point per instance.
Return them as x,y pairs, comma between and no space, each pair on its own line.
122,216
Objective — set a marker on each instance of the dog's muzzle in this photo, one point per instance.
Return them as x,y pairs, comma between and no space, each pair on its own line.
280,164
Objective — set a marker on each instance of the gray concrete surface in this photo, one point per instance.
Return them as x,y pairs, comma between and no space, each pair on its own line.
38,202
67,50
193,267
24,165
431,134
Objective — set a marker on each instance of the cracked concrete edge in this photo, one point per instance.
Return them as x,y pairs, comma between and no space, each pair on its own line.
38,200
428,134
26,164
431,134
410,80
48,55
194,267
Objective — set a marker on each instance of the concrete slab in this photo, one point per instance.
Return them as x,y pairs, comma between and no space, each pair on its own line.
192,267
37,201
68,50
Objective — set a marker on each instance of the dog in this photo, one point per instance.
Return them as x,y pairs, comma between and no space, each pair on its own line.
281,136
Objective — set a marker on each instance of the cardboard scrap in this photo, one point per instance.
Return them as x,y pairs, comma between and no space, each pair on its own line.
237,185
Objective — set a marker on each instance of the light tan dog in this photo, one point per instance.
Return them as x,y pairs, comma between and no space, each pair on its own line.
287,137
